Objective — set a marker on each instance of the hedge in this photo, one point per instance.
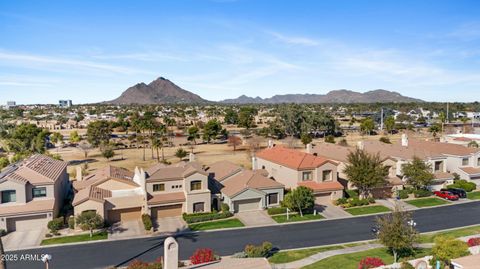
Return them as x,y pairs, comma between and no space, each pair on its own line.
263,250
422,193
200,217
277,210
463,184
403,194
147,222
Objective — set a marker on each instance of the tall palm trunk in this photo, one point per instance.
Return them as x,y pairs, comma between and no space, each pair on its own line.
158,156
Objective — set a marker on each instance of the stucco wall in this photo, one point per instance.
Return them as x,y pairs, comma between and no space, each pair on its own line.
287,176
20,190
90,205
168,186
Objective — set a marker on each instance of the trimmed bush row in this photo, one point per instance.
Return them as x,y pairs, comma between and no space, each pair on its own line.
147,222
201,217
463,184
277,210
351,202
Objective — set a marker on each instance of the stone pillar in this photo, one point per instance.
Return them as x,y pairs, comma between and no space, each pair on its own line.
309,148
79,176
170,253
191,157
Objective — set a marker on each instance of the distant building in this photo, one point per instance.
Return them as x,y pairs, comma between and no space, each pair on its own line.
65,103
11,104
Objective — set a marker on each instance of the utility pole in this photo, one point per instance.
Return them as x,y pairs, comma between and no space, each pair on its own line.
381,120
447,113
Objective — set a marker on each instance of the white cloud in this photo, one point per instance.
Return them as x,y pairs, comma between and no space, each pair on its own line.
294,40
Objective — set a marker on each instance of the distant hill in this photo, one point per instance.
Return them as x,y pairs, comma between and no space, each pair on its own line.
337,96
159,91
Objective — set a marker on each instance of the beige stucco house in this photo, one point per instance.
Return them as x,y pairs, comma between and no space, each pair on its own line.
243,190
294,168
32,193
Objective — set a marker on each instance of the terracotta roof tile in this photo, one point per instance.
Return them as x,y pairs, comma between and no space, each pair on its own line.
471,170
37,169
223,169
166,198
247,179
103,174
34,206
292,158
91,193
324,186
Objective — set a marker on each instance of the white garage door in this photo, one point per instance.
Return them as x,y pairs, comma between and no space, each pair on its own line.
323,199
27,223
246,205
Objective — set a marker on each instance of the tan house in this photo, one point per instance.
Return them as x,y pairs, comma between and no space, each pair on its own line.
115,193
176,189
32,193
294,168
243,190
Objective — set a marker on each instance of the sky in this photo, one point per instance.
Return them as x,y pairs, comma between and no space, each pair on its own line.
91,51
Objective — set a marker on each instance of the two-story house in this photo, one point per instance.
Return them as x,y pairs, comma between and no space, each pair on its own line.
176,189
294,168
32,193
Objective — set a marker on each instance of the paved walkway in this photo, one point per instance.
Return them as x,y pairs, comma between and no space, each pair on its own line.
23,239
126,229
255,218
331,211
391,203
170,225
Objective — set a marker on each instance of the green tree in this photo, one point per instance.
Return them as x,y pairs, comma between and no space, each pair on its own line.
246,117
365,171
306,139
396,233
300,199
329,139
234,141
193,134
26,138
4,162
181,153
56,138
89,220
211,130
157,144
367,126
447,248
418,173
74,137
231,116
107,151
98,133
434,129
390,123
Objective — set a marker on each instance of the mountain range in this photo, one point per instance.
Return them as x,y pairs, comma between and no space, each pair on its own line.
163,91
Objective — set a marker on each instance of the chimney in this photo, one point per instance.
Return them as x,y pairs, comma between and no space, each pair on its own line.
79,176
270,143
361,145
191,157
309,148
404,140
254,163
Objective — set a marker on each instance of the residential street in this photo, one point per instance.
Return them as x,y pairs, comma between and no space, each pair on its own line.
104,254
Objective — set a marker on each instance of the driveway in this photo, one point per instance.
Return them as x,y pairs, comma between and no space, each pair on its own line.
23,239
170,225
255,218
331,211
126,229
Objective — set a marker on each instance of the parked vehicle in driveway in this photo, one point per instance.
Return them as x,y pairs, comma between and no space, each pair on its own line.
446,195
461,193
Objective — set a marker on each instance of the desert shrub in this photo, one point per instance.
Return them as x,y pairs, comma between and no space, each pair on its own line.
422,193
475,241
371,200
263,250
352,193
71,222
202,255
147,222
200,217
463,184
403,194
370,262
330,139
48,235
225,207
406,265
341,201
385,140
137,264
55,225
277,210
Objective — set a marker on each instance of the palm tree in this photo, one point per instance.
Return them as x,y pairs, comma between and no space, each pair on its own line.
141,139
156,144
442,117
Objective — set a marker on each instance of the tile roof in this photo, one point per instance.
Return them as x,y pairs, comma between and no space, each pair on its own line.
173,172
103,174
247,179
34,206
471,170
320,187
292,158
332,151
166,198
443,175
223,169
91,193
37,169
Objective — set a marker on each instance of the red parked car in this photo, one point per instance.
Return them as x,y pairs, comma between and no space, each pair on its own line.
446,195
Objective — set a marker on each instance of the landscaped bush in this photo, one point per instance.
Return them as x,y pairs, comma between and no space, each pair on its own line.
3,232
475,241
55,225
370,262
351,202
225,207
48,235
71,222
137,264
463,184
406,265
352,193
385,140
147,222
422,193
200,217
263,250
403,194
341,201
277,210
202,255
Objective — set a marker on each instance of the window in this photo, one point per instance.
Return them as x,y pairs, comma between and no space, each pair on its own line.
198,207
438,166
465,161
195,185
273,198
9,196
327,175
306,176
39,192
158,187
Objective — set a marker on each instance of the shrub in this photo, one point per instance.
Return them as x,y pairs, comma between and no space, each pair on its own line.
403,194
370,262
3,232
55,225
371,200
330,139
447,248
225,207
147,222
352,193
262,250
475,241
406,265
341,201
71,222
200,217
358,202
277,210
48,235
137,264
422,193
463,184
202,255
385,140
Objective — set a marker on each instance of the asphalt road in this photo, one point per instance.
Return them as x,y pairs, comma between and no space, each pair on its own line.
116,253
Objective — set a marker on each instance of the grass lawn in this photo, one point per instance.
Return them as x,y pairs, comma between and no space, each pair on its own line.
219,224
295,255
74,238
296,217
473,195
429,238
364,210
426,202
350,261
